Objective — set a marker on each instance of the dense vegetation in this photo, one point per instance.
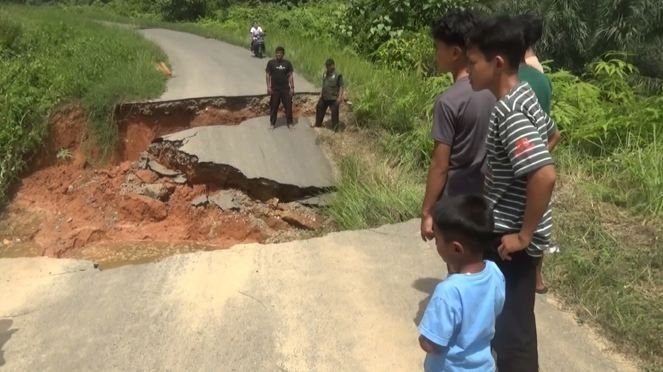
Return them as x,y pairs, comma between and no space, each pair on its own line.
607,100
47,60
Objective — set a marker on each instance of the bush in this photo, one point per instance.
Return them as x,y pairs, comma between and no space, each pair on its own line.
367,24
54,60
577,32
10,32
183,10
411,51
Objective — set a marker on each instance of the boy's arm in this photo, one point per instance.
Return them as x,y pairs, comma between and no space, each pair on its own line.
443,132
441,319
540,185
529,158
553,140
428,346
435,183
553,133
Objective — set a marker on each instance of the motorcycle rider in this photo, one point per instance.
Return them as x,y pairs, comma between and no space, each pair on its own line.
255,31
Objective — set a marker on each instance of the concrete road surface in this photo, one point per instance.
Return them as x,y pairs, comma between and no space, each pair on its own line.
286,156
345,302
206,67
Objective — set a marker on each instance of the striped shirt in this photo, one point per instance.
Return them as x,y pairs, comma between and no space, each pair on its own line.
517,144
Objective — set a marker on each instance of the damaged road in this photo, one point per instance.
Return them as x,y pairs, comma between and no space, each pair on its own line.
217,69
282,163
194,170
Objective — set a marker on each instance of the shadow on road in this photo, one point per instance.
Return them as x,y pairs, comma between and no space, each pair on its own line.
5,334
426,285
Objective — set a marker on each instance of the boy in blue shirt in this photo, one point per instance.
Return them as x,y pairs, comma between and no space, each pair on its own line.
459,322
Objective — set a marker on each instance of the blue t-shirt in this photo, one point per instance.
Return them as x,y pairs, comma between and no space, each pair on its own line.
460,319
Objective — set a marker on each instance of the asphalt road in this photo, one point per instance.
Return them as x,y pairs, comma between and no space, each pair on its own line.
286,156
345,302
206,67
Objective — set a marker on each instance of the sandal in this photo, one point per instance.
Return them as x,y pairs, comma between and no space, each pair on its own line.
543,290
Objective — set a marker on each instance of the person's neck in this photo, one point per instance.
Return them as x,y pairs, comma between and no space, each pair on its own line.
472,267
459,73
505,84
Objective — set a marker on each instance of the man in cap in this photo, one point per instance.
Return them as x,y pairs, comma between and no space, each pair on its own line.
331,95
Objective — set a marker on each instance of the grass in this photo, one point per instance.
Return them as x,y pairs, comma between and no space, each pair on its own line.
607,204
611,265
51,57
371,196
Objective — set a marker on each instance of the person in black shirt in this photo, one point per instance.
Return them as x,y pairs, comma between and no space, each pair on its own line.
331,95
280,86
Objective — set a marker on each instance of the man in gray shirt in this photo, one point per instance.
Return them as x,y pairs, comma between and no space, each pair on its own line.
460,121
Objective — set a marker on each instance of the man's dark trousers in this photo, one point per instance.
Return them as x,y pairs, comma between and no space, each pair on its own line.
280,96
321,109
515,329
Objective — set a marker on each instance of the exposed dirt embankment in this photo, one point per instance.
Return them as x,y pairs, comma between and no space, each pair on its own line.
142,207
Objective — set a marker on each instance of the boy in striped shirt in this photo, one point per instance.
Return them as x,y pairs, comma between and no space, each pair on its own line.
520,178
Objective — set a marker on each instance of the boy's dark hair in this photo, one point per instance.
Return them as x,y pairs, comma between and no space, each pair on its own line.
501,35
467,219
454,26
532,28
280,49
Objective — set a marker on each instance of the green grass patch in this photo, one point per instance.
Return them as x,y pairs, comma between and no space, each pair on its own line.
610,270
50,57
375,194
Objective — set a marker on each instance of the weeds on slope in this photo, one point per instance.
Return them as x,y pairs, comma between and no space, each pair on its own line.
50,57
611,265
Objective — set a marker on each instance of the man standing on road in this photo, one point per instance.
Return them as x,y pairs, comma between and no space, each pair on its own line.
331,95
281,86
460,121
531,71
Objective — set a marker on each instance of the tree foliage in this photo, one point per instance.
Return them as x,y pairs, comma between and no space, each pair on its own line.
579,31
370,23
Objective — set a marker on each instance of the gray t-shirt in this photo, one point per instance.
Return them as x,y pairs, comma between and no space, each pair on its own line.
460,120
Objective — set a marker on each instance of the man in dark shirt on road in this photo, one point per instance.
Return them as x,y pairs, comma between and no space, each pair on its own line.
331,95
280,86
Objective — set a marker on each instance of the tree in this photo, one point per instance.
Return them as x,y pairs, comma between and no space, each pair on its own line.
579,31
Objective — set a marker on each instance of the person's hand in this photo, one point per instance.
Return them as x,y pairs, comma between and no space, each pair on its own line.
339,101
269,91
512,243
427,228
292,92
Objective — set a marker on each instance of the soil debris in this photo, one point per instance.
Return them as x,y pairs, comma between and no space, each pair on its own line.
139,208
200,201
225,200
161,170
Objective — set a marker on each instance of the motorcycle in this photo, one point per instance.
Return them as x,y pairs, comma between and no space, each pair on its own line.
259,45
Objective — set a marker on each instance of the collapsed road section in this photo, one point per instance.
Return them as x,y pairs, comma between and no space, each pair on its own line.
282,163
226,142
187,175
